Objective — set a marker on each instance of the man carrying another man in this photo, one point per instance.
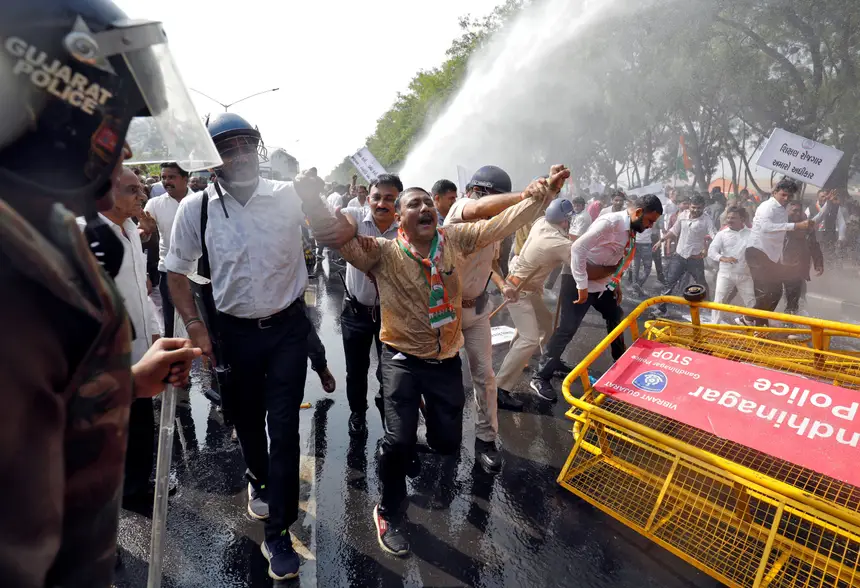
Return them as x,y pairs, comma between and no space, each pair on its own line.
418,275
598,261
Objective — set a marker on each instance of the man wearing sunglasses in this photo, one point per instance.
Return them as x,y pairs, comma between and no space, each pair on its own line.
255,255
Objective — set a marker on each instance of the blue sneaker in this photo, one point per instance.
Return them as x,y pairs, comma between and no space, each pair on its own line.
283,559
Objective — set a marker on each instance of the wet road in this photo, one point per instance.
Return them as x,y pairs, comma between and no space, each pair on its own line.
466,527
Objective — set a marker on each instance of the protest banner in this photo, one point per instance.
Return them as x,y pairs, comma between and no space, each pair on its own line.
799,158
366,164
806,422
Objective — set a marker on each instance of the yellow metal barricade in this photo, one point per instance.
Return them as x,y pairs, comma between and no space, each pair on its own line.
745,518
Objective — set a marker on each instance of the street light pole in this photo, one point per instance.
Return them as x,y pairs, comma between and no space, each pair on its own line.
227,106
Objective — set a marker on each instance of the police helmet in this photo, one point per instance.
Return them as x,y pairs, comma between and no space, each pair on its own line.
74,74
490,180
558,211
241,149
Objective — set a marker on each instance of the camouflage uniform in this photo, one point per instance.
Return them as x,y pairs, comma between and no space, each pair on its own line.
64,405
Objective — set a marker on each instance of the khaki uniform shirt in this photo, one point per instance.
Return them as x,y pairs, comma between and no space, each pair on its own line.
404,293
475,270
546,248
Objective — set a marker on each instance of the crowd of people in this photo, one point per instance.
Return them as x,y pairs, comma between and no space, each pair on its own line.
418,267
97,260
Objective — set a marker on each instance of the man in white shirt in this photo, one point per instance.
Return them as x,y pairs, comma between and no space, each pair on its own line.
128,196
619,199
488,195
360,317
360,201
767,240
598,261
692,234
254,244
729,250
163,209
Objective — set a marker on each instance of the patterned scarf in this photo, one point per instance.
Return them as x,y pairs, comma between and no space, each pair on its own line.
629,251
441,310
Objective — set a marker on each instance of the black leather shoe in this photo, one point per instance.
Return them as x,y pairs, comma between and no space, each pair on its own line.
507,401
357,425
488,456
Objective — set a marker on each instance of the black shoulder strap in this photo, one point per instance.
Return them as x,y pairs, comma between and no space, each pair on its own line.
203,264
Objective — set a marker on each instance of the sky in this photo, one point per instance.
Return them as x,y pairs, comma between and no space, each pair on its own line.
338,65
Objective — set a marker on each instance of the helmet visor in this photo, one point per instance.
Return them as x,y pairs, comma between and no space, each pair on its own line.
173,131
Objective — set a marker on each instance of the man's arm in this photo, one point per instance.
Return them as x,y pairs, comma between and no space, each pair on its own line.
488,206
715,251
363,253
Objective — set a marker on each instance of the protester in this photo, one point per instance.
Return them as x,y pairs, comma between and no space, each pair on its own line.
598,261
254,246
68,380
693,234
801,251
548,246
360,315
130,280
618,202
643,260
197,183
728,249
764,254
595,205
360,200
444,194
418,276
488,194
162,209
832,230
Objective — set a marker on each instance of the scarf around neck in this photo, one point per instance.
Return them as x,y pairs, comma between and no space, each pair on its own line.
441,310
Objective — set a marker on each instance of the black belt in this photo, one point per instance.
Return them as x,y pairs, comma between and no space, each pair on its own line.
266,322
422,359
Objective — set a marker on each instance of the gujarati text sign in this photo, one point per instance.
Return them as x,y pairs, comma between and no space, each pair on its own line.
799,158
366,164
803,421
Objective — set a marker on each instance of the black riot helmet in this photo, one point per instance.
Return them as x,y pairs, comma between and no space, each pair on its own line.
490,180
74,74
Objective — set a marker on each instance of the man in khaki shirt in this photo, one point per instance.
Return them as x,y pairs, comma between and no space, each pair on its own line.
548,246
420,293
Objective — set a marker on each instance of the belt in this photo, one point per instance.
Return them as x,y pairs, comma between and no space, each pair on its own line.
470,303
266,322
422,359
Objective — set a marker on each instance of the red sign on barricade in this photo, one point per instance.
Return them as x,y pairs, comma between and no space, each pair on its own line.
803,421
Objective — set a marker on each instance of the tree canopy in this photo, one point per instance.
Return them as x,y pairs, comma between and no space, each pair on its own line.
721,73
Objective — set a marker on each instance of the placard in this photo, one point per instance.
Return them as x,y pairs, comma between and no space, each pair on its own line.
366,164
799,158
803,421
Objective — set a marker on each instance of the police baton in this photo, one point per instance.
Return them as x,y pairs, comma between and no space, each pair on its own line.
162,481
517,290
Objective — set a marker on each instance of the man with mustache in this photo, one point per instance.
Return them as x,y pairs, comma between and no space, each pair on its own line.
360,318
598,261
418,275
162,209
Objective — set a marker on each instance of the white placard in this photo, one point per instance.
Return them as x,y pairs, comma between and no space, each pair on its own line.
799,158
656,189
366,164
462,179
502,334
